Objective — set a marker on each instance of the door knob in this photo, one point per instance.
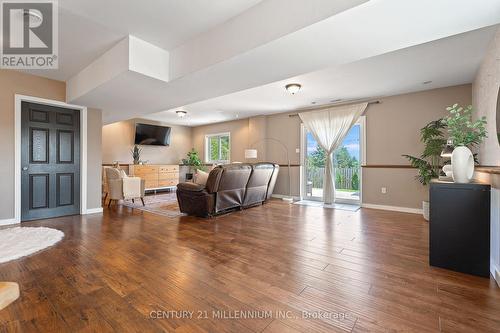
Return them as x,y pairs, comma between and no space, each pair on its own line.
25,168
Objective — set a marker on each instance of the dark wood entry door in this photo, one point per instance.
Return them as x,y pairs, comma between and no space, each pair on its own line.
50,161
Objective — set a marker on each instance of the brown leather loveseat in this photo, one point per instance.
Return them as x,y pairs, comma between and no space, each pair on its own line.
228,187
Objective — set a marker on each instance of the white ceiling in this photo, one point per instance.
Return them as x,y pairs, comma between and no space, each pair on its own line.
165,23
80,42
445,62
88,28
231,58
350,35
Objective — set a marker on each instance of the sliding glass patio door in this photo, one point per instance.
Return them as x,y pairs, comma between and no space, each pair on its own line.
347,167
347,161
314,168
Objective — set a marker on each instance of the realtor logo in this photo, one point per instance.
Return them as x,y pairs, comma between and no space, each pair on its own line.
29,34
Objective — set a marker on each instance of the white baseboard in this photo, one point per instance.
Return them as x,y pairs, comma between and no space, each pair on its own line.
8,222
393,208
14,221
372,206
281,196
495,271
93,211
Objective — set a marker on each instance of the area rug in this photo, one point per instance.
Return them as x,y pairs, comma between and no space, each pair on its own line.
164,204
348,207
18,242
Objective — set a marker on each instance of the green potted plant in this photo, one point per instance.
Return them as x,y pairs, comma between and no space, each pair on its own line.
136,154
429,162
194,162
464,133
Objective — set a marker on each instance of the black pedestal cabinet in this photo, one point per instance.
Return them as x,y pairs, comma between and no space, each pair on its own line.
460,227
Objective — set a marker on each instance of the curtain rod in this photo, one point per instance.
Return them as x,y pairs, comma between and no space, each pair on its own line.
330,106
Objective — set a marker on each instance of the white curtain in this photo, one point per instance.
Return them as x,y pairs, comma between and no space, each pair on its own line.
329,127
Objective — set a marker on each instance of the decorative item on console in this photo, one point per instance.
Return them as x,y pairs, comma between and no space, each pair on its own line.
464,133
136,154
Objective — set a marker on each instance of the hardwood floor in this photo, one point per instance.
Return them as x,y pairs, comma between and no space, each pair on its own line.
295,268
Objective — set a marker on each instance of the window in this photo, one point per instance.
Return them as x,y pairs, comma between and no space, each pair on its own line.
217,148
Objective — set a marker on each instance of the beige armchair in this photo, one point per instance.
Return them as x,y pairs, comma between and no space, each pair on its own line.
122,187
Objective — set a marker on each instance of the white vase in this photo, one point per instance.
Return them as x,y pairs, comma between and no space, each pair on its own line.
462,163
425,209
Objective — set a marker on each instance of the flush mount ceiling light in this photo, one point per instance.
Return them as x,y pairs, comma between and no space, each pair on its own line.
293,88
181,113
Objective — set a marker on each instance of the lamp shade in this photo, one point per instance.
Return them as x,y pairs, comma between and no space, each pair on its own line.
250,153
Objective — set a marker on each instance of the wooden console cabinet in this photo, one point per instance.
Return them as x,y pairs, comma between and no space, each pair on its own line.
156,176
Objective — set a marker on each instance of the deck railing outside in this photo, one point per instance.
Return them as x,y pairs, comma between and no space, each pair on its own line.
345,178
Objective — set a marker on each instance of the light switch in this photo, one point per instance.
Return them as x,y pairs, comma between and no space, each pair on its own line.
297,150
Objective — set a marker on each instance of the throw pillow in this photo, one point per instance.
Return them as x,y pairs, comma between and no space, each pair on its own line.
201,177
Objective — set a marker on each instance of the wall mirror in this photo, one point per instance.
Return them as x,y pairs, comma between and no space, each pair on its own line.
498,115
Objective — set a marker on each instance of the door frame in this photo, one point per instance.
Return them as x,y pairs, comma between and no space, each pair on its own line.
18,99
362,122
303,169
362,154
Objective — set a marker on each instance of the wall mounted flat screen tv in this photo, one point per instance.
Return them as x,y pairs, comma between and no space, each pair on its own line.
152,135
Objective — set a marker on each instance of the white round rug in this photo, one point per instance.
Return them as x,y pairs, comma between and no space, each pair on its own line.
18,242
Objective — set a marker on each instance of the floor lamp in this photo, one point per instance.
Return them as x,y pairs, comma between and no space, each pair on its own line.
251,153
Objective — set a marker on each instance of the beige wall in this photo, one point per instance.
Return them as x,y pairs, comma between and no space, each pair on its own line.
257,132
287,130
118,140
239,137
11,83
251,132
485,94
392,129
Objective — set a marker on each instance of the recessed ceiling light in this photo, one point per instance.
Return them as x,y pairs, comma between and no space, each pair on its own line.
181,113
427,82
313,102
293,88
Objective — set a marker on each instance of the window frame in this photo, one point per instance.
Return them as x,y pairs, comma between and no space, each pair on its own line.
207,147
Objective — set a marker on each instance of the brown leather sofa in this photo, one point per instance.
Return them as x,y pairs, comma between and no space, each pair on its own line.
272,182
258,184
229,187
